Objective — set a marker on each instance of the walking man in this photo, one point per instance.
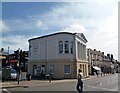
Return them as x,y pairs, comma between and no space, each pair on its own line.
79,86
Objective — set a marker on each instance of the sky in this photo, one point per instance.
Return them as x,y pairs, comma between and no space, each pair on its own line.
97,20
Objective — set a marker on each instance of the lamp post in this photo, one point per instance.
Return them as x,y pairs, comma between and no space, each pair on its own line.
91,64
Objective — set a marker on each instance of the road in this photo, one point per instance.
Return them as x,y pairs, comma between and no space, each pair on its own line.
104,83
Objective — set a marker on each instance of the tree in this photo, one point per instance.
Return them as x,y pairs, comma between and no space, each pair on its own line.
108,55
111,57
2,49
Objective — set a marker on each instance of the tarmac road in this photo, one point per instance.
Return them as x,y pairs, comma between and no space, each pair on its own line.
104,83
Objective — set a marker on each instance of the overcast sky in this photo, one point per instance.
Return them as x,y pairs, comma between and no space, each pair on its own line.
97,20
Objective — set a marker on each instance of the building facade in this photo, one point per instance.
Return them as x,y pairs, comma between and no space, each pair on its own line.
3,59
99,59
60,54
95,59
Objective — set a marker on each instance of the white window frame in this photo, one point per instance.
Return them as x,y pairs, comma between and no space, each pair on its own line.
71,47
65,46
60,45
69,69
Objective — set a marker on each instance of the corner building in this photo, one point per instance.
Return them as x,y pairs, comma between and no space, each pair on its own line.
61,54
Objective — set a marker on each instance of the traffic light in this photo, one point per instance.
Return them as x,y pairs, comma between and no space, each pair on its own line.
16,54
21,55
22,60
111,57
24,54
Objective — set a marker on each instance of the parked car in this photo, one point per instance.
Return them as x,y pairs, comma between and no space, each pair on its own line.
13,74
8,74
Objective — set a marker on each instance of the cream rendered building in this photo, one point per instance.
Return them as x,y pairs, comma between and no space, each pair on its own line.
61,54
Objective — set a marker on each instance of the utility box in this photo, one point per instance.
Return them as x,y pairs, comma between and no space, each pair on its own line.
6,73
23,75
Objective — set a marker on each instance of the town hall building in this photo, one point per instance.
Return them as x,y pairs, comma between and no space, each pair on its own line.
60,54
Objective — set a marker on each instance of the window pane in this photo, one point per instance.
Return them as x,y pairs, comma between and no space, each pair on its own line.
71,48
52,69
66,47
60,47
67,69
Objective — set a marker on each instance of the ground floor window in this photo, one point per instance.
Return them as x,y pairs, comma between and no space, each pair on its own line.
34,70
52,69
43,69
67,69
38,69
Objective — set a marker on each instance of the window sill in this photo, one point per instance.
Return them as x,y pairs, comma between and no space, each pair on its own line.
67,73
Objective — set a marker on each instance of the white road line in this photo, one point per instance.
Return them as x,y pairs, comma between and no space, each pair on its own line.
103,88
104,82
6,90
3,90
100,84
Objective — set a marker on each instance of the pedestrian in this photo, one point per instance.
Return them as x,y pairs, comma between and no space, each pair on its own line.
50,76
96,72
79,86
42,76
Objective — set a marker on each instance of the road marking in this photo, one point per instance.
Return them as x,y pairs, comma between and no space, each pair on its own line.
6,90
102,88
100,84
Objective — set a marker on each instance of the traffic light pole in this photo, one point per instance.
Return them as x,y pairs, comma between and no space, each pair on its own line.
8,56
18,65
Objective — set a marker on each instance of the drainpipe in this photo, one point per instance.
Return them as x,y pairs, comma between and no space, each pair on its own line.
74,56
46,58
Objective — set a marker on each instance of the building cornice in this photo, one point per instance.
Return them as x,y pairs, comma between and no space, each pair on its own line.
51,35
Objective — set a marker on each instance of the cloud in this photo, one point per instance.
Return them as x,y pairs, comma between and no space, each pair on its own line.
98,21
105,37
88,14
60,1
14,42
41,25
21,24
34,37
3,27
94,19
74,28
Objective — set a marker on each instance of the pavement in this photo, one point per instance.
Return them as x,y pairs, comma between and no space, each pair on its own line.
25,83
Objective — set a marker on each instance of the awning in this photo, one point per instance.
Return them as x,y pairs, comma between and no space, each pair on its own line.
96,68
13,61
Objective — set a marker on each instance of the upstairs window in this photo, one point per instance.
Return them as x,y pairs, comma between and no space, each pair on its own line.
66,47
71,48
60,47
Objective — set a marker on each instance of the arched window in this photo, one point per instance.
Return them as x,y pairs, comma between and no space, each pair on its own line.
66,47
71,47
60,47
